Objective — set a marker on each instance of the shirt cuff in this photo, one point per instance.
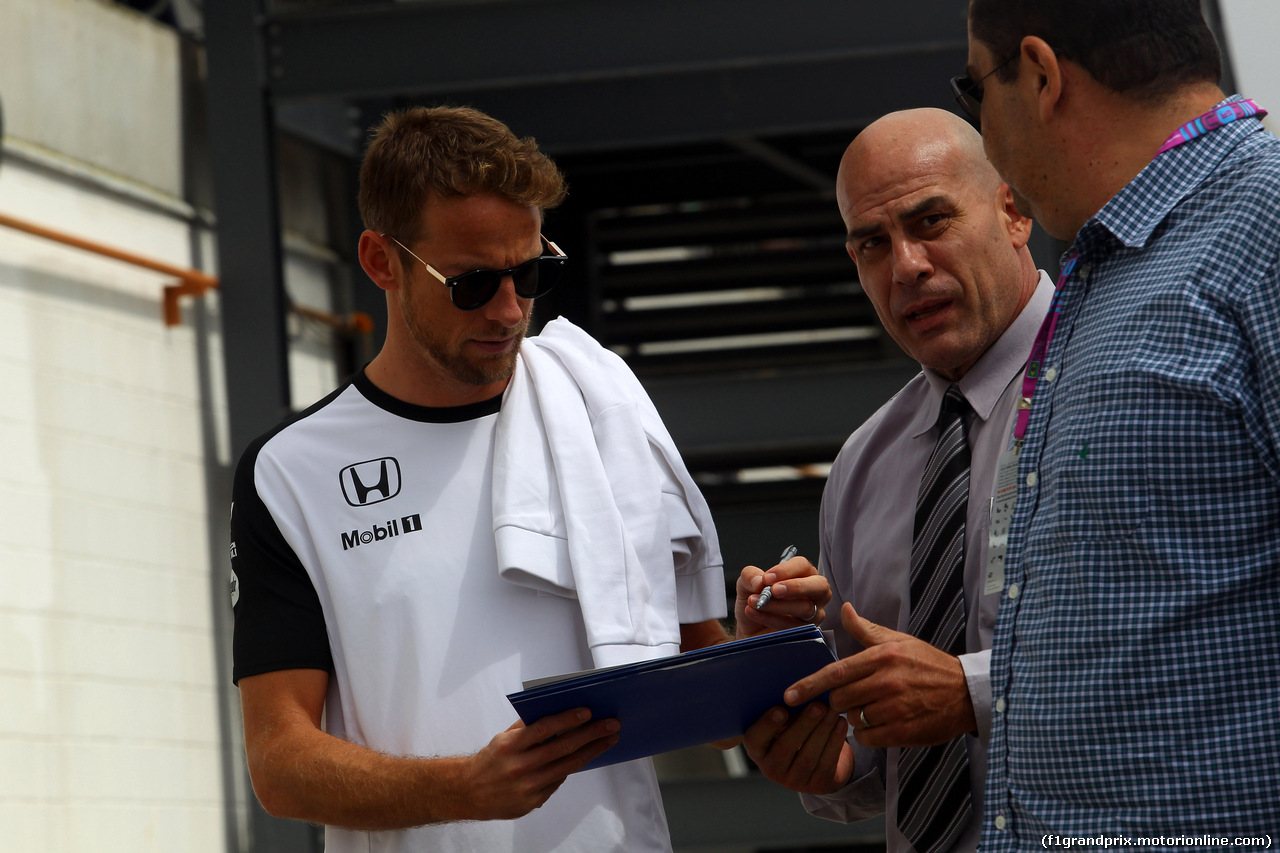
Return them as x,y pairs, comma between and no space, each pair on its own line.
977,674
701,597
860,799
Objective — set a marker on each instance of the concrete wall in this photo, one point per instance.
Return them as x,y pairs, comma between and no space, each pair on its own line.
108,726
94,83
111,554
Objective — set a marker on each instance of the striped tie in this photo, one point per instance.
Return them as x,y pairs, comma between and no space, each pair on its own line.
933,781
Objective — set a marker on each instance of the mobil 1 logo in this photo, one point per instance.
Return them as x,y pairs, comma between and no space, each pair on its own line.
372,482
382,532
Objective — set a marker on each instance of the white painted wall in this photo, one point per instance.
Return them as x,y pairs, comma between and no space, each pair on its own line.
109,737
96,83
108,728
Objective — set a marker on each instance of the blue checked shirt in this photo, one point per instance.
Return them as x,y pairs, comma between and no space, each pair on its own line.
1135,666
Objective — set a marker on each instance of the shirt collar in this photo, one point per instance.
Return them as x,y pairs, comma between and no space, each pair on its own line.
1133,214
991,374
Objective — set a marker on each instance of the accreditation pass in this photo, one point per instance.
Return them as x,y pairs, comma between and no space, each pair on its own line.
1003,498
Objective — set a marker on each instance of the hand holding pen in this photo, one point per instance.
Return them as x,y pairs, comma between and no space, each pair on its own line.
767,592
790,594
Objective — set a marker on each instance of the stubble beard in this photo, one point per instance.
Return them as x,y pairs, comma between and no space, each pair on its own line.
452,361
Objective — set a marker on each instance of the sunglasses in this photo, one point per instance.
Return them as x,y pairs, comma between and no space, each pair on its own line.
470,290
969,92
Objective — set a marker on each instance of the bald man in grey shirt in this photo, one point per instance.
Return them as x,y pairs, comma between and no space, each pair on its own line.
942,254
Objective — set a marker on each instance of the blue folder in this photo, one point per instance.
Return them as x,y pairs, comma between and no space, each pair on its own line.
697,697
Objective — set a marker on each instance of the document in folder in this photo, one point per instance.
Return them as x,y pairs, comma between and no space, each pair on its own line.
696,697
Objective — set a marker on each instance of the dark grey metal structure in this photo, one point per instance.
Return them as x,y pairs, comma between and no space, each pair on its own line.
700,139
643,102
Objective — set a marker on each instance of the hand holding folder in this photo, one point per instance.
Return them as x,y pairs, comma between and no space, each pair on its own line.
697,697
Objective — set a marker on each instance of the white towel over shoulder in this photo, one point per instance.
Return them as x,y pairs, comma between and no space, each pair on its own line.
591,499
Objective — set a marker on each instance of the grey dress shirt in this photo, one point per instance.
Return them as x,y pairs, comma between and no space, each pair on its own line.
865,528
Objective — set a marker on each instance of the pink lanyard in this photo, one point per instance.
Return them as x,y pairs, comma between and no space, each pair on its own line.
1211,121
1038,349
1206,123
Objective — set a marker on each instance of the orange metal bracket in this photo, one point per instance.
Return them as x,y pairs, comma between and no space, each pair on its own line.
190,282
357,323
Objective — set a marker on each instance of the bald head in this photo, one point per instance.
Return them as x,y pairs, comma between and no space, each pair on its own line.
926,140
940,247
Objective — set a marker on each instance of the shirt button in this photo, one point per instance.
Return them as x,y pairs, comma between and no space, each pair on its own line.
999,706
1001,822
1014,592
1032,478
1051,374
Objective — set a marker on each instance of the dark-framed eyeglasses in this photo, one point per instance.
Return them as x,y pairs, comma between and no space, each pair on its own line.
969,92
470,290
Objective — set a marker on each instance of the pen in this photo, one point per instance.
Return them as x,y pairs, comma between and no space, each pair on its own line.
767,592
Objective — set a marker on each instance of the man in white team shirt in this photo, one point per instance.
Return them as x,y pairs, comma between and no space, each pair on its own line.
378,625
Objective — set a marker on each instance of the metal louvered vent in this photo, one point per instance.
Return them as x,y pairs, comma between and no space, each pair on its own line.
728,284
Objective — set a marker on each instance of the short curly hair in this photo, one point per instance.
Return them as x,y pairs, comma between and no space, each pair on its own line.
450,151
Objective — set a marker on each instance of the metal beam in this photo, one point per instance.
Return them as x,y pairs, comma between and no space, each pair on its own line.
243,155
784,163
582,75
694,105
251,300
452,47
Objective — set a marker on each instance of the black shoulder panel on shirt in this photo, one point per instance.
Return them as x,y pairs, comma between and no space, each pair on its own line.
279,622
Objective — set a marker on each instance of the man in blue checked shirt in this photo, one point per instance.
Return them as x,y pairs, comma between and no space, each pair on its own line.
1135,666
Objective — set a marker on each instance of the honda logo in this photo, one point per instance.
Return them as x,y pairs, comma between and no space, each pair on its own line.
371,482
